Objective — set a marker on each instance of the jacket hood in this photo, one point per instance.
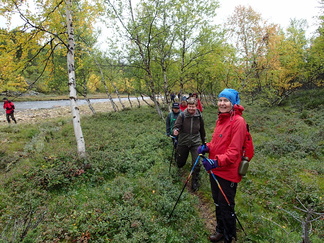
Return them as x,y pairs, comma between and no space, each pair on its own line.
237,110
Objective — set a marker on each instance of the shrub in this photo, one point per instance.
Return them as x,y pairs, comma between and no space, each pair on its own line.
123,191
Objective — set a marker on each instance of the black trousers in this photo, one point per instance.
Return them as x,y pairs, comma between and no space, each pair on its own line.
182,153
11,115
225,215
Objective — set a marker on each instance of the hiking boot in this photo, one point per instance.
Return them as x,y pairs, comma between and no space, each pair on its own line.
216,237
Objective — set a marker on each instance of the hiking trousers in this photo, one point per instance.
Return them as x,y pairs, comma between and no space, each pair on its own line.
11,115
182,154
225,216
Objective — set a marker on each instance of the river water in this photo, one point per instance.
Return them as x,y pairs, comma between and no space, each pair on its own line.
35,105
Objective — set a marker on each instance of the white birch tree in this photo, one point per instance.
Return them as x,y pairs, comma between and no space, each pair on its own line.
50,24
72,83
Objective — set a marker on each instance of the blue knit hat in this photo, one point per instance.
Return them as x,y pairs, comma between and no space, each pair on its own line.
232,95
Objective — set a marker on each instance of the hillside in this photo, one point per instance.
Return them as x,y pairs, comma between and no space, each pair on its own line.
124,192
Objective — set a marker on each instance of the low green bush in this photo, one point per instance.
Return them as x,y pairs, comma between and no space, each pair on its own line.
123,191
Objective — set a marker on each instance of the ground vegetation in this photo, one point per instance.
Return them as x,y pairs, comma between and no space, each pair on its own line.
123,191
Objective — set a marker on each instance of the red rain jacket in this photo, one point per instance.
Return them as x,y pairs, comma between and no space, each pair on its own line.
182,108
199,105
227,142
8,106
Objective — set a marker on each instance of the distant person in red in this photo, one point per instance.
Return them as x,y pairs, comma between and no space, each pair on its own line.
199,105
10,108
183,104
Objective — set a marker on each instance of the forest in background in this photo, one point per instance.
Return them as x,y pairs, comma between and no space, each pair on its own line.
155,48
117,188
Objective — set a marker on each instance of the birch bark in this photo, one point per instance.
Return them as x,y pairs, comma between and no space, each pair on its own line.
72,83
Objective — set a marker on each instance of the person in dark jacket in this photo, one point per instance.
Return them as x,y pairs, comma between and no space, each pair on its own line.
172,96
10,109
190,129
225,154
170,120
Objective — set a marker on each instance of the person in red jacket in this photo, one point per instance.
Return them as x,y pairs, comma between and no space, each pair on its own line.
199,105
10,108
183,104
225,154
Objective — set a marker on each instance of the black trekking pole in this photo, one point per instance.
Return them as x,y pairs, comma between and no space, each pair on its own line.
221,189
184,186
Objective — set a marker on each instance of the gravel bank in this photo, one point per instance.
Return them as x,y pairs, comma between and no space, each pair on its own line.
33,116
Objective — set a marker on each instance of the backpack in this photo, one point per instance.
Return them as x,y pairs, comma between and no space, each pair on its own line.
173,118
248,147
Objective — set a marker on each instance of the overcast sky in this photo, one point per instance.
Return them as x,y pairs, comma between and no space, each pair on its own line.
275,11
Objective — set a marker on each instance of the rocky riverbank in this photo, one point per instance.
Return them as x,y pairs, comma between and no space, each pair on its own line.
33,116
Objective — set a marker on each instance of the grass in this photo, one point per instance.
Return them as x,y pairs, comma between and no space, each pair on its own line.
123,192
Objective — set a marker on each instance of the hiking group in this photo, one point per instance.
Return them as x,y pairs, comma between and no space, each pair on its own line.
186,127
226,149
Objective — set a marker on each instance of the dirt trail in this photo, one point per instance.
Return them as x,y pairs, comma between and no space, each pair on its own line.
207,214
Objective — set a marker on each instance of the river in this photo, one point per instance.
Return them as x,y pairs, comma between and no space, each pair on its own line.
35,105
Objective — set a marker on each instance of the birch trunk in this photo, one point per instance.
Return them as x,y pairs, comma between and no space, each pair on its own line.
72,83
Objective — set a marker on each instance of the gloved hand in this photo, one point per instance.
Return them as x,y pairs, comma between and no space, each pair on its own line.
209,164
202,149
